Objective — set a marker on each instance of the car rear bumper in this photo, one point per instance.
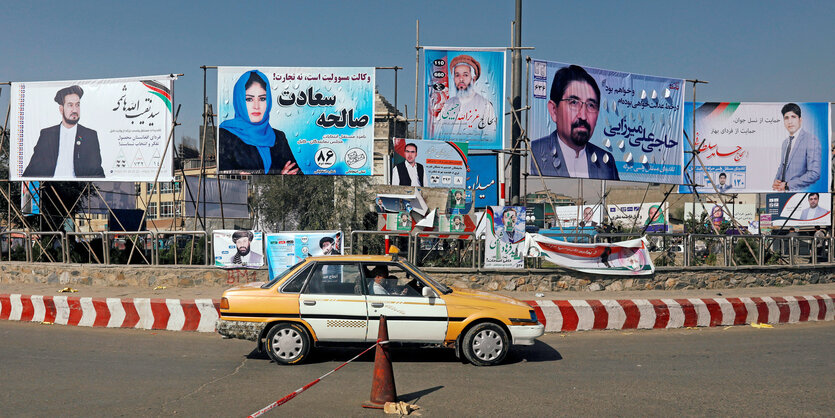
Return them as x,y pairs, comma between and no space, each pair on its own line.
526,334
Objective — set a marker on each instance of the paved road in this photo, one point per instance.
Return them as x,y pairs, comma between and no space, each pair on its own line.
71,371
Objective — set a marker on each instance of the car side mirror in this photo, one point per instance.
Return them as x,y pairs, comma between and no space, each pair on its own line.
428,292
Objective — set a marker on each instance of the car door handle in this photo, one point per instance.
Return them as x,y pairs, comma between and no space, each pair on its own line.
310,302
377,305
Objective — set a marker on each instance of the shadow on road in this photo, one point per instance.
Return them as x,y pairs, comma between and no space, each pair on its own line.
413,397
537,352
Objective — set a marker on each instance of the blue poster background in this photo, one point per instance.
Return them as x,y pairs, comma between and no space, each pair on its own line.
285,249
482,179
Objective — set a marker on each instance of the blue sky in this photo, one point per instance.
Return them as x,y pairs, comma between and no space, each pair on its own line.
748,50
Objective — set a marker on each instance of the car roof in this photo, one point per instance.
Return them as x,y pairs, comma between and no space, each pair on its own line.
370,258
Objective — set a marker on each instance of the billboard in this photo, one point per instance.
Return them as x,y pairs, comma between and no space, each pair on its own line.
751,147
745,214
464,96
429,163
799,209
234,249
623,258
650,214
504,237
81,130
588,215
292,120
483,179
602,124
285,249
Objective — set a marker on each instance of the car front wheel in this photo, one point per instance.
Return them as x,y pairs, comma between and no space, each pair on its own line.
486,344
288,343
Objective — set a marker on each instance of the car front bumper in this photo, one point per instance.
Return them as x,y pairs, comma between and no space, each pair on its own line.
526,334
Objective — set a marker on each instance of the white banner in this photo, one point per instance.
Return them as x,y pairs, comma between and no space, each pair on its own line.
114,129
622,258
233,249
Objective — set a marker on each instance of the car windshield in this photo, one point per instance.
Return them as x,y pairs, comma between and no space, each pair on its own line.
443,288
282,275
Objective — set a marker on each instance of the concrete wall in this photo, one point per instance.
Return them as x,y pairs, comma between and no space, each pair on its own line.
665,278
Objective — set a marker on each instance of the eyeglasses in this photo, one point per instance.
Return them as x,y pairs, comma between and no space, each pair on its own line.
574,105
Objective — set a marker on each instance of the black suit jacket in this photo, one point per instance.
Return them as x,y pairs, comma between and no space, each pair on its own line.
86,153
553,165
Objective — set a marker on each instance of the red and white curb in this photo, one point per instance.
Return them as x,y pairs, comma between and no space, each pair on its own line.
557,315
141,313
580,315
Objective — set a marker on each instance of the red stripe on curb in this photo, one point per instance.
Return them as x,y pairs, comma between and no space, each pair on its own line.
740,311
784,309
28,311
49,309
662,313
715,312
160,311
803,304
5,306
821,308
569,315
74,304
131,316
601,315
633,315
762,310
102,312
192,315
690,317
540,316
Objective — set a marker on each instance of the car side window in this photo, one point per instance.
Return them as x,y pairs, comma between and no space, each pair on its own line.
334,279
294,285
391,280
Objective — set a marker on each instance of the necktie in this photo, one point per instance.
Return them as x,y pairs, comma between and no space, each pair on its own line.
786,158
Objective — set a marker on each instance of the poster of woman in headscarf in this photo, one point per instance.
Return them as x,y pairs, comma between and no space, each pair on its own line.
285,120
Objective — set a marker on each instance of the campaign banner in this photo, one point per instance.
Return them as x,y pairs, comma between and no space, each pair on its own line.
459,201
235,249
745,215
625,258
483,179
295,120
84,130
464,96
504,237
799,209
30,197
429,163
285,249
651,215
587,215
603,124
752,147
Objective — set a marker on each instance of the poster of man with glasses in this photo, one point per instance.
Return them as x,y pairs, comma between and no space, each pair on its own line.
601,124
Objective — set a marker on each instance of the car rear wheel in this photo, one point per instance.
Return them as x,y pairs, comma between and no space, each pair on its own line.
288,343
486,344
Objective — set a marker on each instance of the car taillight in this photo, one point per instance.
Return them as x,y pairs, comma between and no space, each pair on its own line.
224,303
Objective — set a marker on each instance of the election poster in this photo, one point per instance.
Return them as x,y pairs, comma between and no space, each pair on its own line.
652,215
629,258
464,96
293,120
90,130
483,179
236,249
285,249
717,215
30,197
586,215
504,237
753,147
602,124
799,209
459,201
429,163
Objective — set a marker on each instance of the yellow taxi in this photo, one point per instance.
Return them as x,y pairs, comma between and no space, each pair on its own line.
339,299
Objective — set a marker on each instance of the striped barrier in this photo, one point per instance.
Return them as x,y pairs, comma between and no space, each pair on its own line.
557,315
141,313
581,315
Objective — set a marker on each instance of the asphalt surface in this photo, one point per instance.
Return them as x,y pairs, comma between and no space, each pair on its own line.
76,371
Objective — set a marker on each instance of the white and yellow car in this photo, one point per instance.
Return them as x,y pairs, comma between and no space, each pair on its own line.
334,299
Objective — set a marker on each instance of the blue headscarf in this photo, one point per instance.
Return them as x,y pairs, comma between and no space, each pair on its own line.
259,135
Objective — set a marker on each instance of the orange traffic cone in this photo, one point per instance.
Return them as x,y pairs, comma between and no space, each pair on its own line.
382,385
